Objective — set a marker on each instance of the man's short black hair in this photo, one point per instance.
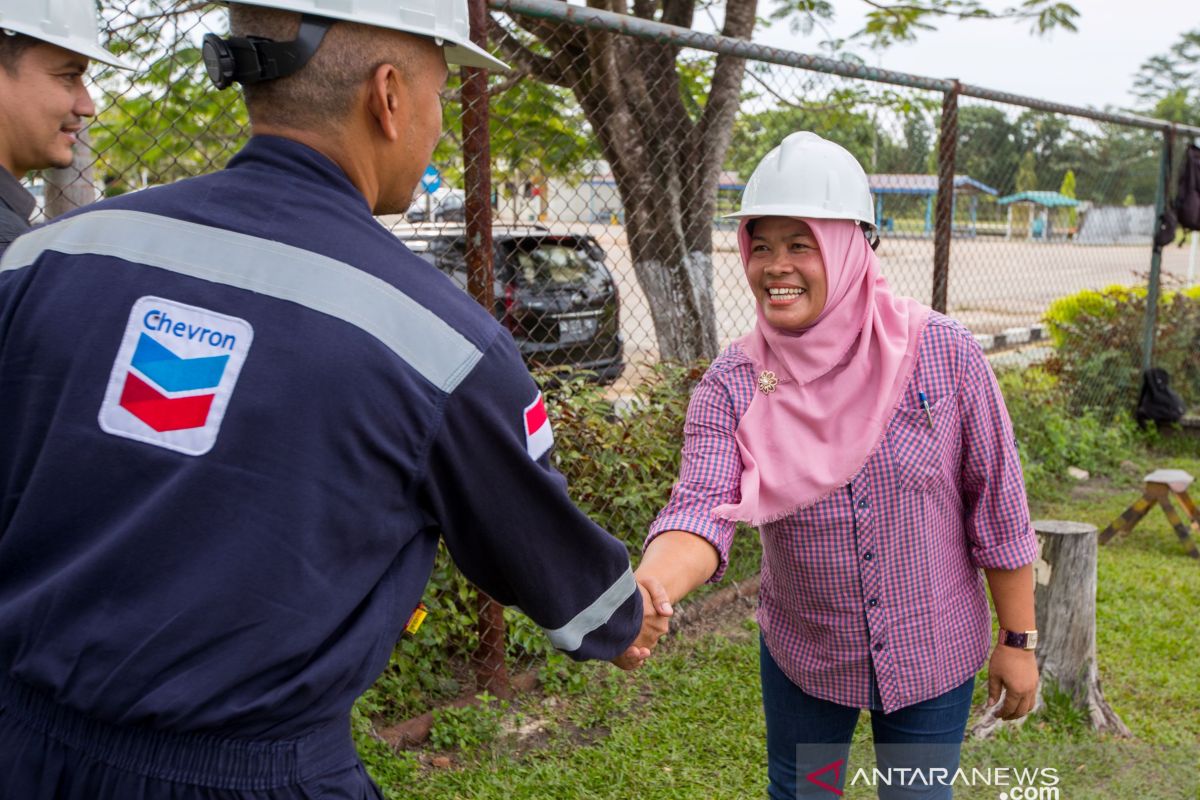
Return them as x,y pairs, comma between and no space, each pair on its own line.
12,47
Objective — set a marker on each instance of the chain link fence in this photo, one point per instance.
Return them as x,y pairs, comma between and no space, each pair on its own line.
615,148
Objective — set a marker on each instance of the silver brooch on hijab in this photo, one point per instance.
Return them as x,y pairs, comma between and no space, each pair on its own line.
767,382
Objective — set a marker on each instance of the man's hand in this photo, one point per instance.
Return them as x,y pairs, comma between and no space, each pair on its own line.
656,622
1015,671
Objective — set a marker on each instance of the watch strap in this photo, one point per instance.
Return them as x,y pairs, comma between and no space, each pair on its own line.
1023,640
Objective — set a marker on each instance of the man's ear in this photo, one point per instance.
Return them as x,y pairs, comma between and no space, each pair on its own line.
385,99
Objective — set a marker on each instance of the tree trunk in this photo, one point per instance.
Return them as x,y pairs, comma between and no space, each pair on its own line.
665,148
677,279
72,187
1065,597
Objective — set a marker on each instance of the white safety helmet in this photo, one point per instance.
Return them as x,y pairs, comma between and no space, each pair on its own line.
807,176
445,21
69,24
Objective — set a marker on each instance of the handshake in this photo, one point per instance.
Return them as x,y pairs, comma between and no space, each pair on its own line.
656,622
680,560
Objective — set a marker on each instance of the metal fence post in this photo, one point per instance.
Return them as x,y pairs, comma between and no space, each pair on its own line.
944,211
491,674
1153,290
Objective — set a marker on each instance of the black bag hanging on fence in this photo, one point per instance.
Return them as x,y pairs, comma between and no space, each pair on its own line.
1187,197
1158,402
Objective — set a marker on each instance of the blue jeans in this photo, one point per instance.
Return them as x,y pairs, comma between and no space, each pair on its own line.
805,734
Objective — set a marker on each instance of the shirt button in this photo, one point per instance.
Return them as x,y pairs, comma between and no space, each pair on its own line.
868,556
878,646
873,602
862,502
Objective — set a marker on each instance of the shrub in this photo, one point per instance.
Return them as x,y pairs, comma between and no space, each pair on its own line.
1098,343
1051,437
620,462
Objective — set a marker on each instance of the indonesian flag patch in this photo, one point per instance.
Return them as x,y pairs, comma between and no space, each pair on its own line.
538,436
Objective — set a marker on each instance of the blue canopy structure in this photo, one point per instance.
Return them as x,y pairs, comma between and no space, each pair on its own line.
1047,199
1039,223
924,186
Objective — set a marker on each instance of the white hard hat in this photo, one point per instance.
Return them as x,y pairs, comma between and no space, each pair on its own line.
807,176
69,24
444,20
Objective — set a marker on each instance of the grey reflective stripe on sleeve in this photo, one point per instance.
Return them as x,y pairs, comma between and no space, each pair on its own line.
414,333
570,636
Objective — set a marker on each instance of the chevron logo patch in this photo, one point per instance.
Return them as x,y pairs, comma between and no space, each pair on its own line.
174,375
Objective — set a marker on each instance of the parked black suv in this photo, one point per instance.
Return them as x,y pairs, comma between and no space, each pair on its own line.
553,293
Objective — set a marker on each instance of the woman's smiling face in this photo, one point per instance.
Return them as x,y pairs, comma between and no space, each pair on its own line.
786,272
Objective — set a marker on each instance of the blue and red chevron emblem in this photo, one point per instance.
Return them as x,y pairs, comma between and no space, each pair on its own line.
174,375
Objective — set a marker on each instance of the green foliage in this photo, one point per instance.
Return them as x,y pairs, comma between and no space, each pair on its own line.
470,727
1108,162
1098,344
1105,303
1051,438
536,131
392,770
1027,179
1168,84
164,121
1067,189
620,465
891,23
847,115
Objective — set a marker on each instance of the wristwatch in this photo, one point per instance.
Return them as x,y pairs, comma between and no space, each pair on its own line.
1025,640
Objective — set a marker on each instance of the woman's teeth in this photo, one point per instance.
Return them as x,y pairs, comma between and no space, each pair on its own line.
783,294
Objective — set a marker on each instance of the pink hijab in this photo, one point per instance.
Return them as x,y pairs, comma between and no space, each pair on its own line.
839,380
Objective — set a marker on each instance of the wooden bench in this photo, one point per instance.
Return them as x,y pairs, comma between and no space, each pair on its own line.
1160,485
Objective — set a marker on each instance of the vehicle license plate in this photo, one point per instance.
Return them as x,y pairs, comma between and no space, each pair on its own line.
575,329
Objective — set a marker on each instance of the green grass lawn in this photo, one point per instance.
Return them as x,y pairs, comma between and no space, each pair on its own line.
689,725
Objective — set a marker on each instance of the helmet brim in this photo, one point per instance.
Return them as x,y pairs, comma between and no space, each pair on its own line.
796,212
92,51
469,54
102,55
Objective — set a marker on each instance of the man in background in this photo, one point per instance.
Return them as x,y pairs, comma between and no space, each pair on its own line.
45,47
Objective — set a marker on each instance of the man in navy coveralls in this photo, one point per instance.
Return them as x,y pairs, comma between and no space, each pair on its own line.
236,415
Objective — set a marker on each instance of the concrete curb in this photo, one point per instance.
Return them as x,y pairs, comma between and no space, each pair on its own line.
1011,337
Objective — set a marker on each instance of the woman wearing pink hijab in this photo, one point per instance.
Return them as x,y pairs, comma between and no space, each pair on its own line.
867,439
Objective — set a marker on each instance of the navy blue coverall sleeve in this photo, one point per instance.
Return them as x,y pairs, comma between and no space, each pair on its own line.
510,525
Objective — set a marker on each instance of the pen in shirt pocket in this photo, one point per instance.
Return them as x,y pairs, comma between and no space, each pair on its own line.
925,405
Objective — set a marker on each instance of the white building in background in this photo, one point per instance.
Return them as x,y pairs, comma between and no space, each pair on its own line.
592,200
1117,225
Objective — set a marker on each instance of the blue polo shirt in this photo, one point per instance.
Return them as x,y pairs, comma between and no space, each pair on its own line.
236,415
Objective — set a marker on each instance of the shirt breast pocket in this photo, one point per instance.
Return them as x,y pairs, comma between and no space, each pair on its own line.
917,440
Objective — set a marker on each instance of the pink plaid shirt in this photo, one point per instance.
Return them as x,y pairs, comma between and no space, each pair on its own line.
884,574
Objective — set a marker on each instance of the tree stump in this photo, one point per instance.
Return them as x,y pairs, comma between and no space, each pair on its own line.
1065,597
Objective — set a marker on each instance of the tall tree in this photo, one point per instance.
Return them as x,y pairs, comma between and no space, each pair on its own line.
989,147
1068,190
1168,85
1027,179
666,143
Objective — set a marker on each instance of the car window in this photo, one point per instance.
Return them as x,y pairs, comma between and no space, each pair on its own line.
553,264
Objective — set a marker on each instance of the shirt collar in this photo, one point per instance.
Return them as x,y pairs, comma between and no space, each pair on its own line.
277,154
15,196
